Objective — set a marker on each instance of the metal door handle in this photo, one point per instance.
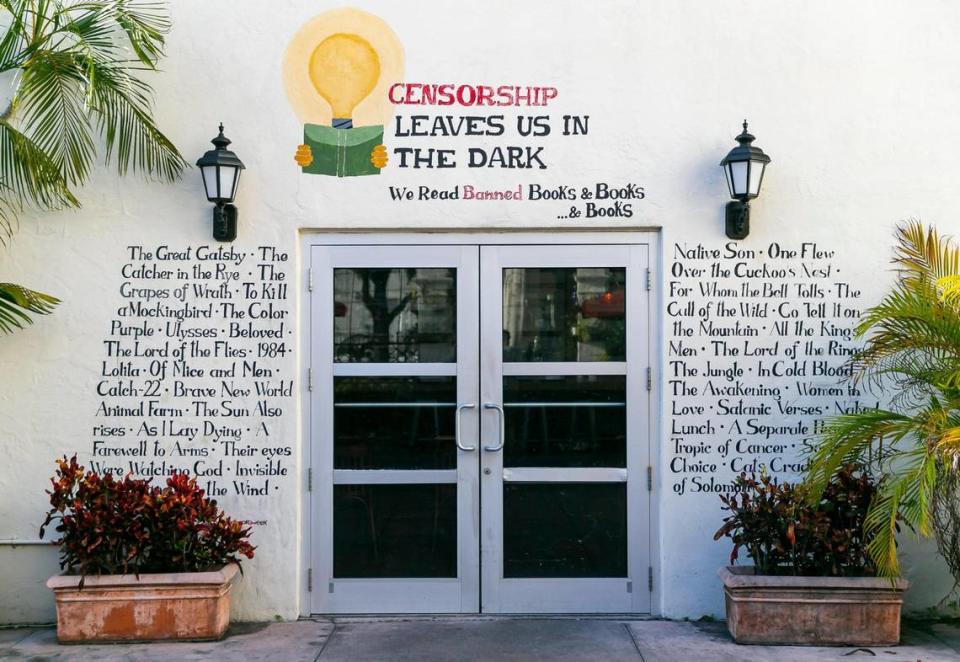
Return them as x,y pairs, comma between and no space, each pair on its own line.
456,427
499,446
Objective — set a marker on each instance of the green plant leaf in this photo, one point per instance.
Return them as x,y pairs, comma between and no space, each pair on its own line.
121,104
27,176
16,304
77,82
910,357
51,101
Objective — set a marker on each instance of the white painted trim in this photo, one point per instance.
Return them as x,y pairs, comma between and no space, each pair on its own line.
655,298
553,475
564,405
304,283
639,522
595,595
468,392
392,405
394,369
439,237
320,339
550,368
386,255
393,596
393,476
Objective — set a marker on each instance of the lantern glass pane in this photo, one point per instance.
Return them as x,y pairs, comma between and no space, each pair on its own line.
738,175
236,181
726,174
756,175
227,180
210,181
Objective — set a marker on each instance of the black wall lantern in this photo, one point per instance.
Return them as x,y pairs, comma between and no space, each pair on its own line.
744,167
221,172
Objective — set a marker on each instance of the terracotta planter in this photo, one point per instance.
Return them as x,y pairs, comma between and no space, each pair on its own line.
151,607
812,611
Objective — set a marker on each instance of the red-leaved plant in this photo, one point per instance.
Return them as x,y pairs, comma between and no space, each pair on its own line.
113,526
783,534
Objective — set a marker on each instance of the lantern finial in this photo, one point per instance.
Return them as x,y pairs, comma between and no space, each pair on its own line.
221,141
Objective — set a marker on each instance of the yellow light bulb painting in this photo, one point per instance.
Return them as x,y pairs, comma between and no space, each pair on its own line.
337,69
344,69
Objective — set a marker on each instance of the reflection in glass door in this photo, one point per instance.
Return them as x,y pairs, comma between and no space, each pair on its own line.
395,355
564,430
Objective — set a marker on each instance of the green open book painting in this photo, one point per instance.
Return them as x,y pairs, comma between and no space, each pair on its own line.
341,152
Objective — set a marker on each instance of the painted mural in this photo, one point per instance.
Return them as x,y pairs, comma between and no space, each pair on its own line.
336,71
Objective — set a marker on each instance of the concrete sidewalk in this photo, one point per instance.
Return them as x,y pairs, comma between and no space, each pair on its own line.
478,639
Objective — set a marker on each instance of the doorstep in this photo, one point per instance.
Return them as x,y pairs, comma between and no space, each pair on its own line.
425,639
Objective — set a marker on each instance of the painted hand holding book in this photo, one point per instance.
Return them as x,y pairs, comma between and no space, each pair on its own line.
341,152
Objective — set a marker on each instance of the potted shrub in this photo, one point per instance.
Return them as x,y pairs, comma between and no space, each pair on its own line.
812,582
911,357
142,562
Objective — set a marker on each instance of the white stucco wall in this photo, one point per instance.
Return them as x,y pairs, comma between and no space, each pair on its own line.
854,101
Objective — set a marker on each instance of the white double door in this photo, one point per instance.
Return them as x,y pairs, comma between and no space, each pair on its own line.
479,429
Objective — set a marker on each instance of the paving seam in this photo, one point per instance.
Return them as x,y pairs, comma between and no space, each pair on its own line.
22,639
327,640
626,626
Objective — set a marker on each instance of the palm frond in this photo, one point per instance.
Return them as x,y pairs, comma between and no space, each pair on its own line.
948,443
906,495
923,254
911,354
51,101
13,44
121,104
881,523
16,304
950,289
8,218
27,176
77,78
848,438
145,24
85,27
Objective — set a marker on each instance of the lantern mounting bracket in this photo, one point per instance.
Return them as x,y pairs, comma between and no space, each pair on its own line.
738,219
224,222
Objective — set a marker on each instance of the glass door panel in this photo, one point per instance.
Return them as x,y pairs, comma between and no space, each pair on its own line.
564,530
395,530
394,423
395,315
395,429
565,421
563,433
564,314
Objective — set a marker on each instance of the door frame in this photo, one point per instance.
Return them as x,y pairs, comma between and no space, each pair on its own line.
440,236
